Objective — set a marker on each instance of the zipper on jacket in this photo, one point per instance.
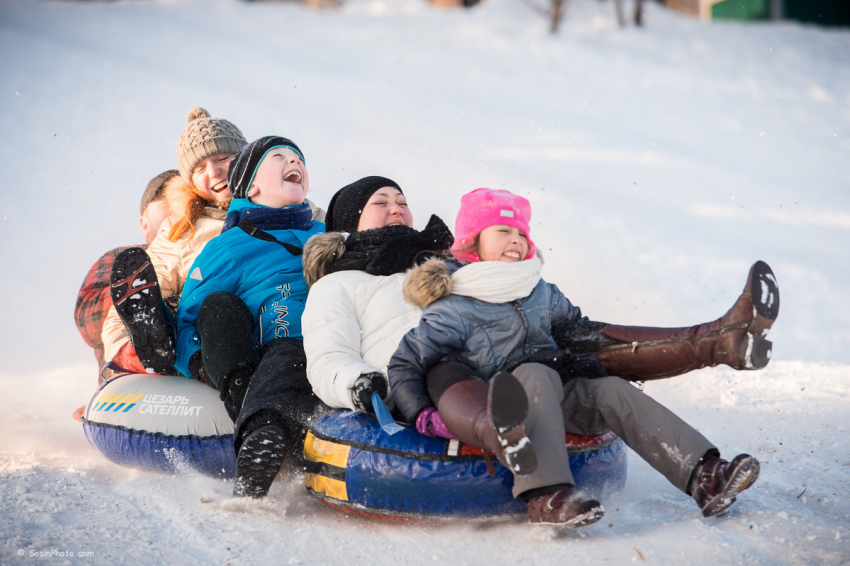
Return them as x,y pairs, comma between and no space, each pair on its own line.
260,320
519,309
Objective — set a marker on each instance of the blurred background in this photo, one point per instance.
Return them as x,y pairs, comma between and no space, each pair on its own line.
665,147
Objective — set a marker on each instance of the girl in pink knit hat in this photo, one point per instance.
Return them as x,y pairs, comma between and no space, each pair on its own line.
504,362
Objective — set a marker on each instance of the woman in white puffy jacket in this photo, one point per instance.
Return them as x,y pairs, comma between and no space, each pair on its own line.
356,314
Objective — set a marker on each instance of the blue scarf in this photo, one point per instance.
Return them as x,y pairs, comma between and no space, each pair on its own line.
298,217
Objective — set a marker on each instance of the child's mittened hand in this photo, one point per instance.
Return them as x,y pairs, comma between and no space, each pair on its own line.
361,391
430,423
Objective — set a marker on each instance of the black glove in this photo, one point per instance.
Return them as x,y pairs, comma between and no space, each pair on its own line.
196,368
568,366
361,392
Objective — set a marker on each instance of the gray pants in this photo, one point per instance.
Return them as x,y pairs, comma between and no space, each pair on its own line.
596,406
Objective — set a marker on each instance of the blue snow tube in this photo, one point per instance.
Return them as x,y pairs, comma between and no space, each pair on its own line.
353,465
162,423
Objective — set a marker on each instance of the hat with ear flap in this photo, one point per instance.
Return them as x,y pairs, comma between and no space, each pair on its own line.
204,137
244,166
482,208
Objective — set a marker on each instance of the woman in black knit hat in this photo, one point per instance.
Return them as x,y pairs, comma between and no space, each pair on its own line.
356,315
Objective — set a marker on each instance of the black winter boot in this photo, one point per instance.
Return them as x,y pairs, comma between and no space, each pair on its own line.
138,302
259,460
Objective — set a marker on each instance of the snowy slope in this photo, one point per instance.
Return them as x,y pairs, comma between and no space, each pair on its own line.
660,162
57,494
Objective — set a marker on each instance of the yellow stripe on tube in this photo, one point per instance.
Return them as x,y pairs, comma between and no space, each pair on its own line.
331,488
317,450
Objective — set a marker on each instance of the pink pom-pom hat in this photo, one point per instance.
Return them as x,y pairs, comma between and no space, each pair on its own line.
482,208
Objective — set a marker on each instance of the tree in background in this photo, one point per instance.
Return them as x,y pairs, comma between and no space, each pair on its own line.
557,9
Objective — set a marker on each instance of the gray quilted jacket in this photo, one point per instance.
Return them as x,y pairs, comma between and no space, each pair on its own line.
484,336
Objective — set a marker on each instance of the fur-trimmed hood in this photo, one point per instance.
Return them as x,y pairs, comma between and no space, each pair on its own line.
428,282
320,251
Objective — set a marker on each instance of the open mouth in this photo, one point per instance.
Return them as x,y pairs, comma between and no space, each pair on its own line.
513,255
293,177
219,187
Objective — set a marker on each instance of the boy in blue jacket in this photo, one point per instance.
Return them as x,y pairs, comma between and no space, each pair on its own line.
239,319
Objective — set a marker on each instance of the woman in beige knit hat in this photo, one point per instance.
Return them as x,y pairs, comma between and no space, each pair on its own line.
197,203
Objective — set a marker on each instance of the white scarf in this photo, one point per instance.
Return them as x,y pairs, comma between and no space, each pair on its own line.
497,281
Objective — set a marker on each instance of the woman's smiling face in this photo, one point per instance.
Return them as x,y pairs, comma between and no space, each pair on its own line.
386,207
210,176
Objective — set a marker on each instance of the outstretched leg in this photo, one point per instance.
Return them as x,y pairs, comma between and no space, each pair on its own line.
667,443
639,353
274,416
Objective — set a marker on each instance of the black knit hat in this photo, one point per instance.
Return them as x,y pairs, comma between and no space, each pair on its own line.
244,165
347,204
153,192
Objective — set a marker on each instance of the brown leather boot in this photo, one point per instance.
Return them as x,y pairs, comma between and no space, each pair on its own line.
716,482
736,339
565,509
467,408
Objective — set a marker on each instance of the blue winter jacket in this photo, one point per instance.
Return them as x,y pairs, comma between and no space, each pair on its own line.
486,337
265,275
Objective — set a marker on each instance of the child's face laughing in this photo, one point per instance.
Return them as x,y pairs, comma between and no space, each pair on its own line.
501,242
281,179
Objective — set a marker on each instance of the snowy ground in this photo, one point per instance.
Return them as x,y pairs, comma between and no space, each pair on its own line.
660,162
58,494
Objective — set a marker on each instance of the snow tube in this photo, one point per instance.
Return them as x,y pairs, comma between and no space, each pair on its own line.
163,423
352,465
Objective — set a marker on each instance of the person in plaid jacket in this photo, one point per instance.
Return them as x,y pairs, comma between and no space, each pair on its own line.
93,299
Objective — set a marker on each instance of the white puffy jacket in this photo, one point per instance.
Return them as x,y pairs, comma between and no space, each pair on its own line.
352,324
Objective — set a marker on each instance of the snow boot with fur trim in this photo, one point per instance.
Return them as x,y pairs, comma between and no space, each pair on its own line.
736,339
564,509
716,482
259,460
491,417
138,302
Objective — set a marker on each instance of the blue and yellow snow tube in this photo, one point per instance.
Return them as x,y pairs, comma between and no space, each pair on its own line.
163,423
354,466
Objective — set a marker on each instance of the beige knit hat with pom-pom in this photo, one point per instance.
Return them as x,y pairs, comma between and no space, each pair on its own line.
203,137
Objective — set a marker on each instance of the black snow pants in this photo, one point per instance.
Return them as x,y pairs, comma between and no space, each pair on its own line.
278,390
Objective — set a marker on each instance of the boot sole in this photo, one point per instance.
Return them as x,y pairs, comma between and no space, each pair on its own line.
507,407
764,292
745,473
258,462
586,518
138,301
